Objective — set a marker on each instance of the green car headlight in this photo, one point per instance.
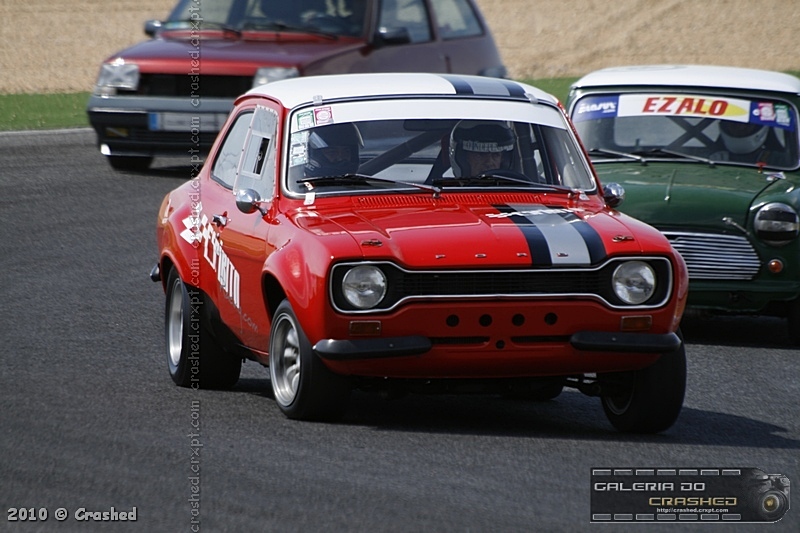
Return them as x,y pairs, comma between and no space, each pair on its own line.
115,76
634,282
777,223
364,286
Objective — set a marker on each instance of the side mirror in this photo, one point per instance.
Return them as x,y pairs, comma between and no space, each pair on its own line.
391,36
613,194
151,27
248,201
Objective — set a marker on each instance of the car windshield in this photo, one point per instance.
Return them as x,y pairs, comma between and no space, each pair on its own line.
439,145
334,17
693,127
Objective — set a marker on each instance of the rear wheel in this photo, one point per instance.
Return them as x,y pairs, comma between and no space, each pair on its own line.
647,400
303,386
194,358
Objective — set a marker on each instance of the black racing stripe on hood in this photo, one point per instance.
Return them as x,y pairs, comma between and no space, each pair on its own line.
594,243
539,249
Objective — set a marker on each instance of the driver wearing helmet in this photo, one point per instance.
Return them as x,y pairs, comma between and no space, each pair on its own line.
742,138
333,150
477,147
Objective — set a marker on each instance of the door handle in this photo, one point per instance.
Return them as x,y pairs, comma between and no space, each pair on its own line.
220,220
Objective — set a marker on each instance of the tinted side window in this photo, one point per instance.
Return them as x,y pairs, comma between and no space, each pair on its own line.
456,18
408,14
224,170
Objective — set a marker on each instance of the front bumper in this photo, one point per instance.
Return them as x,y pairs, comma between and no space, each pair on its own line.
590,341
148,126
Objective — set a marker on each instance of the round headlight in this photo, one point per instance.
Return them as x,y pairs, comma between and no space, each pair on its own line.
634,282
777,224
364,286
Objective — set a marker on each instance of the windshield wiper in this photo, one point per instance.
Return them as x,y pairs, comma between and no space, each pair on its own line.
364,179
603,151
498,177
280,26
654,151
205,25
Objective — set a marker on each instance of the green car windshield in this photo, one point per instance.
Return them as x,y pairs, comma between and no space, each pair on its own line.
720,129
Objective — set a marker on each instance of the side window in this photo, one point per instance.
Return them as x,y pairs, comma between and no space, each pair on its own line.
456,18
224,169
408,14
257,170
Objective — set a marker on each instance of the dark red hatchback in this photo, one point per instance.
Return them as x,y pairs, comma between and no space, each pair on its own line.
171,94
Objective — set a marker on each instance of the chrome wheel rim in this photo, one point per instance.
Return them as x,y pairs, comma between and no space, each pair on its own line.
175,324
285,361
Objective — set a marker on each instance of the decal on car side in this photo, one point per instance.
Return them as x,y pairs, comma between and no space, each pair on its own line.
199,231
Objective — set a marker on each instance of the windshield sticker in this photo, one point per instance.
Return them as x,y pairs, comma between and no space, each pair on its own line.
298,154
685,105
323,115
596,107
305,120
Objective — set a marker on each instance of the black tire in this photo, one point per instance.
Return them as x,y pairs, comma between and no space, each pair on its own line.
194,358
303,387
131,163
647,400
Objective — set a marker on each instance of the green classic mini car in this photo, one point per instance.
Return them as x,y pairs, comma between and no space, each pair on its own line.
709,155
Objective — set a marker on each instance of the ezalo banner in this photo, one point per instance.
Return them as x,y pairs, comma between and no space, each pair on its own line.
688,495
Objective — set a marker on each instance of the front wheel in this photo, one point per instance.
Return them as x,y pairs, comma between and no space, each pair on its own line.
303,387
194,358
647,400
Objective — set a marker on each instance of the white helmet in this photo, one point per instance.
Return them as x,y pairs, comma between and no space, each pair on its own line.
480,136
742,137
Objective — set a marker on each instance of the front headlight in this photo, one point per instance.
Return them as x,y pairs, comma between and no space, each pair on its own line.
117,75
777,224
634,282
268,74
364,286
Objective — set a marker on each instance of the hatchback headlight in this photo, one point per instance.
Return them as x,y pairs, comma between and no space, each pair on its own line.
634,282
777,223
364,286
117,75
268,74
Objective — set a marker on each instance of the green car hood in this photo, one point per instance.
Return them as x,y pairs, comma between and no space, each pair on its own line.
696,195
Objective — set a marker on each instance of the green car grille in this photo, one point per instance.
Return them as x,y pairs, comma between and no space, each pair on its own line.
714,256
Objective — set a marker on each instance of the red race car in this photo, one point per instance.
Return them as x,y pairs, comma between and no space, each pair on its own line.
422,233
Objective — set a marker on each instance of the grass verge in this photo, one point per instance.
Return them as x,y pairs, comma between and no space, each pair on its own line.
43,111
68,110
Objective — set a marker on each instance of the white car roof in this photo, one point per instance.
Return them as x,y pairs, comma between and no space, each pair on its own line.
692,76
303,90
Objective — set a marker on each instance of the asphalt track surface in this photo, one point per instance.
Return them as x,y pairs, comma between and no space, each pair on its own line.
89,418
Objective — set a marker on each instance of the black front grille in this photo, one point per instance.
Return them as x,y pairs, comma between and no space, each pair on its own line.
188,86
590,282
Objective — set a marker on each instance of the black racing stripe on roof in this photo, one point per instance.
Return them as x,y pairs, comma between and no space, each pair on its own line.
459,84
514,89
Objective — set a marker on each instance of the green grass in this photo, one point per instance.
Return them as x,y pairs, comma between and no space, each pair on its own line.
43,111
68,110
